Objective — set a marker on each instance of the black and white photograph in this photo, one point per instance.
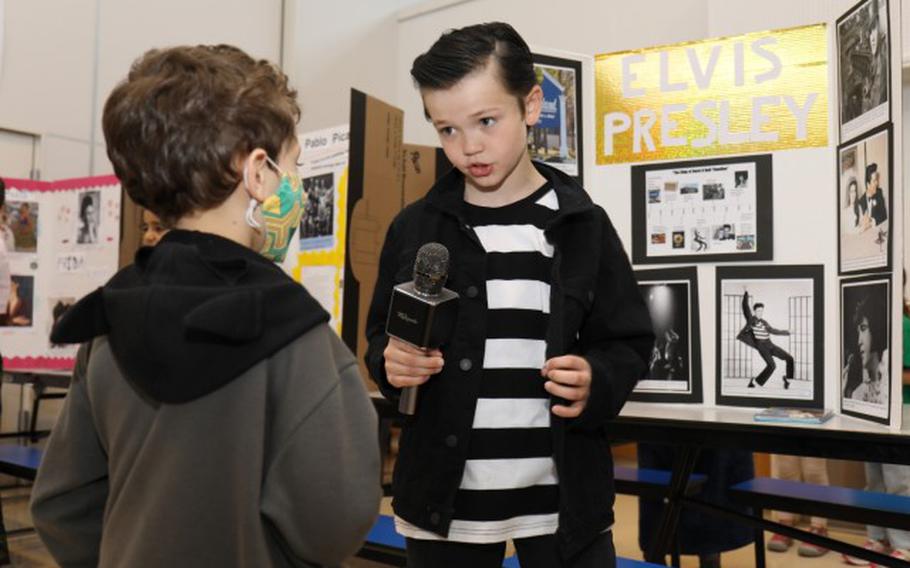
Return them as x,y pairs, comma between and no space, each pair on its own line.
865,338
20,305
713,191
741,180
864,67
317,226
557,137
674,368
89,218
865,194
716,210
770,336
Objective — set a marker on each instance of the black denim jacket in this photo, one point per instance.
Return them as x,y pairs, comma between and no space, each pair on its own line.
596,311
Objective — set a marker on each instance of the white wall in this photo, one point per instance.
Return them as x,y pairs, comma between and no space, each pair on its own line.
61,59
338,44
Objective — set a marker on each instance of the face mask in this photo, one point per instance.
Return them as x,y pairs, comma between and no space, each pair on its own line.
281,213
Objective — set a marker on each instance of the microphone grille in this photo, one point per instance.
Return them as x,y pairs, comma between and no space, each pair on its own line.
431,268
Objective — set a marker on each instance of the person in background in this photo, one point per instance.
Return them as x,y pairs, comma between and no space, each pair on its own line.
808,470
151,228
699,533
214,418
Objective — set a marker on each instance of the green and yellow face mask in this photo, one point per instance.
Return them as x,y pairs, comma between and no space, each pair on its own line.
281,214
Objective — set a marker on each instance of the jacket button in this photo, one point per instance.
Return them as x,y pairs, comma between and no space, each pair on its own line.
465,365
471,292
590,296
451,440
434,518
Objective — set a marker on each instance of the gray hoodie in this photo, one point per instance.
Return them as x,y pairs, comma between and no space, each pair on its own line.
203,440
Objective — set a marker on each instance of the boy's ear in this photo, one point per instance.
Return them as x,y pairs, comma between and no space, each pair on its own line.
533,105
253,171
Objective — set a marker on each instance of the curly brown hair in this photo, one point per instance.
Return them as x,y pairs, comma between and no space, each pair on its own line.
178,124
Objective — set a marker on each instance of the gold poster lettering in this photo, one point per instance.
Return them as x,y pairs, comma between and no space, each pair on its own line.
750,93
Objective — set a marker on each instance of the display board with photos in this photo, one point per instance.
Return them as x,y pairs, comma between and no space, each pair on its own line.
770,336
865,202
316,257
557,138
864,68
63,241
674,367
865,347
717,210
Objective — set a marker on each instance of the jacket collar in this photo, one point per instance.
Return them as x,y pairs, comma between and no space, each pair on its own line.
447,194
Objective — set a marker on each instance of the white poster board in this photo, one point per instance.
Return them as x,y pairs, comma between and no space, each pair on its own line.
63,241
316,258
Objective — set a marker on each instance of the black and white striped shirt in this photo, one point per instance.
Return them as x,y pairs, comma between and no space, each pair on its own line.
509,486
760,330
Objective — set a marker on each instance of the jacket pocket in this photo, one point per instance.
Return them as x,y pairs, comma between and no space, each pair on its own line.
577,304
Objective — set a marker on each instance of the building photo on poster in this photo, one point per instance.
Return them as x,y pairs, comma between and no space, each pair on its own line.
557,137
770,336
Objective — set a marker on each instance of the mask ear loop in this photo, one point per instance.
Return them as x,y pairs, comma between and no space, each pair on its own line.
250,217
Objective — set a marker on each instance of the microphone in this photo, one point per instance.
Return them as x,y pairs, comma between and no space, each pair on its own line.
422,312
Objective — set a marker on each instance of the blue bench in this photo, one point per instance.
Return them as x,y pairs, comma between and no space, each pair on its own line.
20,461
651,483
841,503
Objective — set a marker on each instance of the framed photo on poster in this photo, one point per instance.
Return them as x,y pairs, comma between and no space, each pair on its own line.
864,68
557,138
865,197
717,210
865,343
674,368
770,336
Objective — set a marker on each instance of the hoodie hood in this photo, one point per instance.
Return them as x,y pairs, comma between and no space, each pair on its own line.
192,314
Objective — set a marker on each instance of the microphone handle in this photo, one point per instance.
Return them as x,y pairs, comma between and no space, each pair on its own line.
407,403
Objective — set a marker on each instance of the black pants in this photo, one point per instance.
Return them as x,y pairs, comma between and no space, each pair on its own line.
768,351
536,552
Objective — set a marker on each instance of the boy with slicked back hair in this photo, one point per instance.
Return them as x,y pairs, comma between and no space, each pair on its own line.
508,440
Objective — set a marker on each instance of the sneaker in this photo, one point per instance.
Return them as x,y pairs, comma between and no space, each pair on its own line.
899,553
779,543
751,384
870,544
810,550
